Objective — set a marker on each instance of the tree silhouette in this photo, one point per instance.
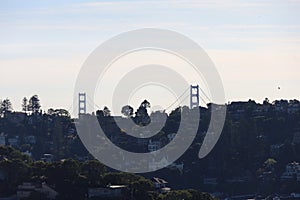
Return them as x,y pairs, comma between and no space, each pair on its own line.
141,115
25,104
106,112
5,106
127,111
34,104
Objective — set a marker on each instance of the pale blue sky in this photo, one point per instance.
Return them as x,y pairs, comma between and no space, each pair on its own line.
254,44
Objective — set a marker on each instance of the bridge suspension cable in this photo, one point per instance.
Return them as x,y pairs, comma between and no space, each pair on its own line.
93,103
206,96
187,89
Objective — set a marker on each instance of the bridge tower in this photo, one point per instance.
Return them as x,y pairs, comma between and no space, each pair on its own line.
194,96
81,103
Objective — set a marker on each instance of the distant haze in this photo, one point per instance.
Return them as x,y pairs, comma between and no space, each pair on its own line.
255,45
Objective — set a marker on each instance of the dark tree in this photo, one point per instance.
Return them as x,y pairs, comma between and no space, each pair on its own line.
106,112
5,106
93,170
141,115
127,111
25,104
99,113
145,104
34,104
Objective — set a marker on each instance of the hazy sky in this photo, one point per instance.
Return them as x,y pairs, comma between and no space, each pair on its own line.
254,44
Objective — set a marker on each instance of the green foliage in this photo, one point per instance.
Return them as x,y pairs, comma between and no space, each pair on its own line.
141,188
121,178
13,154
16,171
185,194
93,170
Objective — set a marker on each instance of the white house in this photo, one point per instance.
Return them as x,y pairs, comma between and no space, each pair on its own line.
292,171
47,158
160,185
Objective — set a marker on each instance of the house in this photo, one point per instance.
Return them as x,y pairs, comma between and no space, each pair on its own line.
111,191
30,139
47,158
14,142
25,190
160,185
154,145
292,172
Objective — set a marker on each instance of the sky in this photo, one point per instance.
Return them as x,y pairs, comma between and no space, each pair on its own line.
253,44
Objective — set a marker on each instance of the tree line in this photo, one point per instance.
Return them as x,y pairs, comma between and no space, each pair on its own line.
32,105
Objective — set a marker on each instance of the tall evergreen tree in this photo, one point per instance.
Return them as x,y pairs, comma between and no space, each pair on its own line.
5,106
25,104
34,104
